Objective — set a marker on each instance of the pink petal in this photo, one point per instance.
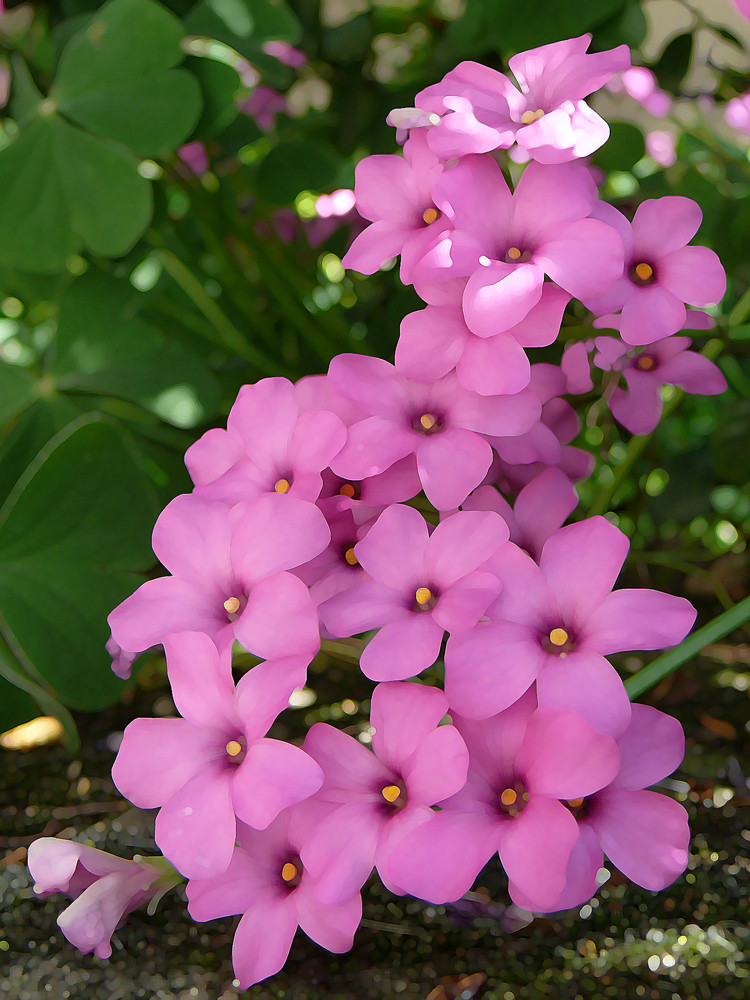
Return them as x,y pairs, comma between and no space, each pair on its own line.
161,606
694,373
695,275
195,829
403,715
264,691
584,862
340,853
381,241
273,776
651,747
499,296
650,314
639,410
263,418
460,607
212,455
350,769
451,464
663,225
437,769
332,927
375,174
588,684
638,619
463,543
263,939
431,343
644,834
373,446
279,620
525,597
547,198
371,382
318,437
201,678
494,365
276,533
402,649
191,538
393,550
543,506
475,196
364,606
585,258
493,743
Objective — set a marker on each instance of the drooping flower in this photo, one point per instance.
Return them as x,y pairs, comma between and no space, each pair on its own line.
643,833
229,577
267,883
374,796
661,272
104,888
506,243
215,762
418,586
523,765
554,623
441,423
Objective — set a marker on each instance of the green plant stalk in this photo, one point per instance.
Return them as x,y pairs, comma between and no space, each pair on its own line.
668,662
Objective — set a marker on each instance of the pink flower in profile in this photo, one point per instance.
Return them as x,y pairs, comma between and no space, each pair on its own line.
554,623
441,423
506,243
523,765
480,110
419,586
104,888
662,272
336,569
395,194
374,797
229,578
271,445
436,340
215,762
267,883
542,506
643,833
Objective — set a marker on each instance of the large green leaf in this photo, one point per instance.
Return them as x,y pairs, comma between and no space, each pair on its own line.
15,706
103,348
60,189
17,390
116,78
71,534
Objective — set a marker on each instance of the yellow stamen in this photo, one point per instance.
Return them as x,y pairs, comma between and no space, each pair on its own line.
575,803
347,490
231,605
391,792
423,595
645,363
429,215
644,271
558,637
282,485
234,748
531,116
289,872
428,421
351,558
508,797
514,253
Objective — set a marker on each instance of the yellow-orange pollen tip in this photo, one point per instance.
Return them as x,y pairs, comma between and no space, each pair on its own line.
428,421
508,797
233,748
575,803
231,605
391,792
531,116
514,253
423,595
644,271
289,872
645,363
346,490
558,637
282,485
429,215
351,558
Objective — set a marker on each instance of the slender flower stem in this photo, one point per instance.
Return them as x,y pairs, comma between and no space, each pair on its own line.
668,662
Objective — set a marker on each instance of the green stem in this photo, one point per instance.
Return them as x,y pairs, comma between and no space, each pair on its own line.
668,662
740,311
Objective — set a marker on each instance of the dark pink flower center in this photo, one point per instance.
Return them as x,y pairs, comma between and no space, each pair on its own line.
236,749
642,273
558,640
291,872
513,799
430,215
646,363
428,423
425,598
284,483
351,490
515,255
580,808
393,797
347,553
234,605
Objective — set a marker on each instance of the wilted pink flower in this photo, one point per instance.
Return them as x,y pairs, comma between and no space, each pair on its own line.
644,834
104,888
215,762
554,624
662,272
522,763
665,362
506,243
228,577
436,340
373,798
267,883
480,110
271,445
542,506
420,586
395,194
441,423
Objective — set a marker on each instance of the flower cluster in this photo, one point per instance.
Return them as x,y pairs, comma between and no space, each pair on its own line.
424,503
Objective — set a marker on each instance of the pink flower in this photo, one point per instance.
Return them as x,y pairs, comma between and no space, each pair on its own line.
506,243
194,155
419,587
267,883
104,888
641,84
228,577
441,423
542,506
662,272
436,340
286,54
480,110
737,111
373,798
264,105
215,762
395,194
665,362
522,763
644,834
271,444
554,624
336,569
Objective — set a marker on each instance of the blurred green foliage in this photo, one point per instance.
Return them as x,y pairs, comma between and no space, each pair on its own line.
137,295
